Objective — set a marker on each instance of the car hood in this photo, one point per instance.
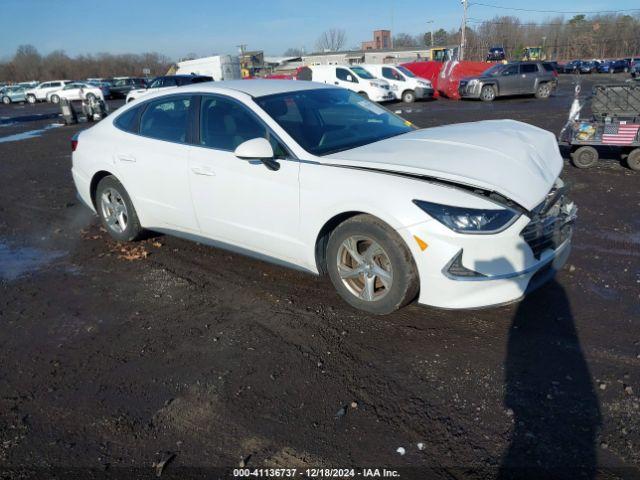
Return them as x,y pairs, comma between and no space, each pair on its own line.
514,159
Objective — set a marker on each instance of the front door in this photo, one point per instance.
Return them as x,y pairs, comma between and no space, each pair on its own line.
528,75
510,81
240,202
154,164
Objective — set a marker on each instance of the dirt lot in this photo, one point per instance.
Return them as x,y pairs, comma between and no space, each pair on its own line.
117,357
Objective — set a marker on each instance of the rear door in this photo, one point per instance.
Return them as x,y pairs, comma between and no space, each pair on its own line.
528,75
154,163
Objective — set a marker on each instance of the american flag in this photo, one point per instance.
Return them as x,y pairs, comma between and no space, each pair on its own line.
622,133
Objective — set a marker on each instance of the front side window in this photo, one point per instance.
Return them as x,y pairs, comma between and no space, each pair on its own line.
391,74
169,82
167,119
510,70
157,83
330,120
345,75
225,124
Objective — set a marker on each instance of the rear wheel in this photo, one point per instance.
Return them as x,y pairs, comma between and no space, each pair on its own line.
6,100
90,97
408,96
543,91
31,99
55,99
370,266
488,93
633,160
116,211
585,157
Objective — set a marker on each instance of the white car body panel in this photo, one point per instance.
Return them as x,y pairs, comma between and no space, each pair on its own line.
45,88
398,87
212,196
73,94
377,89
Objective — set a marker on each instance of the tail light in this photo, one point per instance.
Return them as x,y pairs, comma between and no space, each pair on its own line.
74,142
555,73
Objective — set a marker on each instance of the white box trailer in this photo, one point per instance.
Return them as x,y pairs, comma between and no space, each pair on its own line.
220,67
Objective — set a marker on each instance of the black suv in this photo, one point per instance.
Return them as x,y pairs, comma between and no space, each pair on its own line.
517,78
121,86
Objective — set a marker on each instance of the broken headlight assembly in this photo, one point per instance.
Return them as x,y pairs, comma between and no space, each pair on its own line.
469,220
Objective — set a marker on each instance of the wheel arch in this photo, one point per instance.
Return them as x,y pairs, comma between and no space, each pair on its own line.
93,186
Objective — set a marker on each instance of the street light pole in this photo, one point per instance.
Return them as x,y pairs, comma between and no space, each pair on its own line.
431,22
463,36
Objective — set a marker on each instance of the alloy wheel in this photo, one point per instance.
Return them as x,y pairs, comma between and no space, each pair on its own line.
114,210
364,268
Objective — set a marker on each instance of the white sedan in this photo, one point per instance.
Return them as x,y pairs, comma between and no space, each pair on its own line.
316,177
76,91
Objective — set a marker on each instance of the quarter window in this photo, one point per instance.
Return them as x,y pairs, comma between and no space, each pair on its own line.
128,121
166,119
225,124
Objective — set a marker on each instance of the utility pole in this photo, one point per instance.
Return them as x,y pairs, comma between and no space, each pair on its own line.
431,22
463,34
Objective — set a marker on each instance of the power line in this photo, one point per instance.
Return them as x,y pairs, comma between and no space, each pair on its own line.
540,24
555,11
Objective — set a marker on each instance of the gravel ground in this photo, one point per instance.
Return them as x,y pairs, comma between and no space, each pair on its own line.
117,358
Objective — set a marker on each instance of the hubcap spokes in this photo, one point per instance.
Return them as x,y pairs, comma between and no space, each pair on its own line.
364,268
114,210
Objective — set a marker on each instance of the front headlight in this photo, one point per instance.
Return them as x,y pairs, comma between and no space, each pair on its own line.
469,220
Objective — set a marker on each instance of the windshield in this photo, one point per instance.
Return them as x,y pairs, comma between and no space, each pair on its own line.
493,71
406,71
330,120
362,73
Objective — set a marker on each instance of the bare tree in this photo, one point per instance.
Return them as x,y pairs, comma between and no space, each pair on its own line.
404,40
293,52
331,40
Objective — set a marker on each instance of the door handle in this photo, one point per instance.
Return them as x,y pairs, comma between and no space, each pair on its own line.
126,158
336,83
206,171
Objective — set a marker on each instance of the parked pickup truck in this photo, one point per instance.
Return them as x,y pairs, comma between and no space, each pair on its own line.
517,78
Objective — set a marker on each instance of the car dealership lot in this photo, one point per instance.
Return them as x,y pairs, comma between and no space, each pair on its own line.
115,355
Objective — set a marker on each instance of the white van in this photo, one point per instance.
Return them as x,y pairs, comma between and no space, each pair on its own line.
353,77
404,83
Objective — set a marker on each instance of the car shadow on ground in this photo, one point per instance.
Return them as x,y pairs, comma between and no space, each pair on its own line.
549,392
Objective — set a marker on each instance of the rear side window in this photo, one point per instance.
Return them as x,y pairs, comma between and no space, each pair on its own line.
167,119
529,68
128,121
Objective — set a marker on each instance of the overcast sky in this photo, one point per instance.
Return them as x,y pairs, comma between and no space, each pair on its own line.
204,27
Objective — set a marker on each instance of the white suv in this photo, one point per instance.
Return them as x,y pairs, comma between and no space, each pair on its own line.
352,77
40,93
403,82
75,91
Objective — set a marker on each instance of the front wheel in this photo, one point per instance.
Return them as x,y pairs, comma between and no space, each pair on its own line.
116,211
6,100
90,97
633,160
488,93
55,99
370,266
408,96
363,95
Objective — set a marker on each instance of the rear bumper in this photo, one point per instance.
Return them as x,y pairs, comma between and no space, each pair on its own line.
83,188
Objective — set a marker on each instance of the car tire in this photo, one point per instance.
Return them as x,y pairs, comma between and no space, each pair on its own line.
633,159
31,99
584,157
90,97
543,91
488,93
363,95
388,279
408,96
116,211
130,100
54,99
6,100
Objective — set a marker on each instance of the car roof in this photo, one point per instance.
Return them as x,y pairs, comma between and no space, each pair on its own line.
256,87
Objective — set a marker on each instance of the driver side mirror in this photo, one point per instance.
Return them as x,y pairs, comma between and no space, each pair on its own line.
257,149
349,78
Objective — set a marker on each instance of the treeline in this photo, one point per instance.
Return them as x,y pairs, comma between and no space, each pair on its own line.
581,37
28,64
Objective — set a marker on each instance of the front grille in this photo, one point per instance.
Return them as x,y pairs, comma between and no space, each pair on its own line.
551,222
